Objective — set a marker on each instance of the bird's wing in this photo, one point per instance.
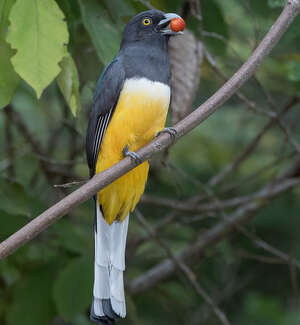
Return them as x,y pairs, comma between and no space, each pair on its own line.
106,96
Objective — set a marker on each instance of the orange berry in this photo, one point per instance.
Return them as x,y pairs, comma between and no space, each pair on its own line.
177,24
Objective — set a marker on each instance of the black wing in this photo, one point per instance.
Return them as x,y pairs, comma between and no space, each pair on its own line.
106,97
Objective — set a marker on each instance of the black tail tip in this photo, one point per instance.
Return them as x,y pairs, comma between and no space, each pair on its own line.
110,315
103,320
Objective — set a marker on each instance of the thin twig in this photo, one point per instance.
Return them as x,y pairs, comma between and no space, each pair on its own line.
71,184
286,258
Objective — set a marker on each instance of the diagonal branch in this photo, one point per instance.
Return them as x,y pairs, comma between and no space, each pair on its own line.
99,181
208,239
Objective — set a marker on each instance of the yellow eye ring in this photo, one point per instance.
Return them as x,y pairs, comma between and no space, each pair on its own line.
146,21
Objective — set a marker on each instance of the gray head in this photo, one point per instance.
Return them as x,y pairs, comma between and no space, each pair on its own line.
152,26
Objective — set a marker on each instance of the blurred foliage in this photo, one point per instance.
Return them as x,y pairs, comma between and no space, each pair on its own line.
56,50
37,29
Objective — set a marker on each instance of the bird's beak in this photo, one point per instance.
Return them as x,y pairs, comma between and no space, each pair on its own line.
165,27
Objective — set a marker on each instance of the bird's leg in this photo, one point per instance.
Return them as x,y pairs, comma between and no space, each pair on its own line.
133,155
172,131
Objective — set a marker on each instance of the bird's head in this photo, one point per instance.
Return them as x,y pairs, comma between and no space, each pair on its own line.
153,24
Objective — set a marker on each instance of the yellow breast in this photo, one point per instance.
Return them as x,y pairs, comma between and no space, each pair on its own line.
140,113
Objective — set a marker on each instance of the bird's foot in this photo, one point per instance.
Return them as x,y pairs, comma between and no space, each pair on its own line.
133,155
172,131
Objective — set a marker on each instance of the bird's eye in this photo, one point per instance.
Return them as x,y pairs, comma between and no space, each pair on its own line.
146,21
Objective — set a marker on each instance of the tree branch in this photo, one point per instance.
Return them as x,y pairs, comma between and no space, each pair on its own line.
215,206
208,239
99,181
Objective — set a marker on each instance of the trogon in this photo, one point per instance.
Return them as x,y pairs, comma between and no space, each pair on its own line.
130,107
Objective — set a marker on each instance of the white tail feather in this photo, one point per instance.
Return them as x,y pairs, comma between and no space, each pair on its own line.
110,243
98,310
101,282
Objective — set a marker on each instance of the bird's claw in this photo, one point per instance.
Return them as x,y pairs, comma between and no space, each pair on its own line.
171,131
133,155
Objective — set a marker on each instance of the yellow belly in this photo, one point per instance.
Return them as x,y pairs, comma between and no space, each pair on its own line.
140,113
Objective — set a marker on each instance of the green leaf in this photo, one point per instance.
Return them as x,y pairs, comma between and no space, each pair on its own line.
5,6
68,83
39,34
294,71
32,303
73,288
105,36
73,16
8,77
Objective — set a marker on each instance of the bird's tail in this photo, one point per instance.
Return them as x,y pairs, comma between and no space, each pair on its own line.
110,241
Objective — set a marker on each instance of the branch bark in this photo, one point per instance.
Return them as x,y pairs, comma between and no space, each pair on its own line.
40,223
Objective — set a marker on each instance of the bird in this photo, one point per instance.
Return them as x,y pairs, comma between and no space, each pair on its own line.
129,109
